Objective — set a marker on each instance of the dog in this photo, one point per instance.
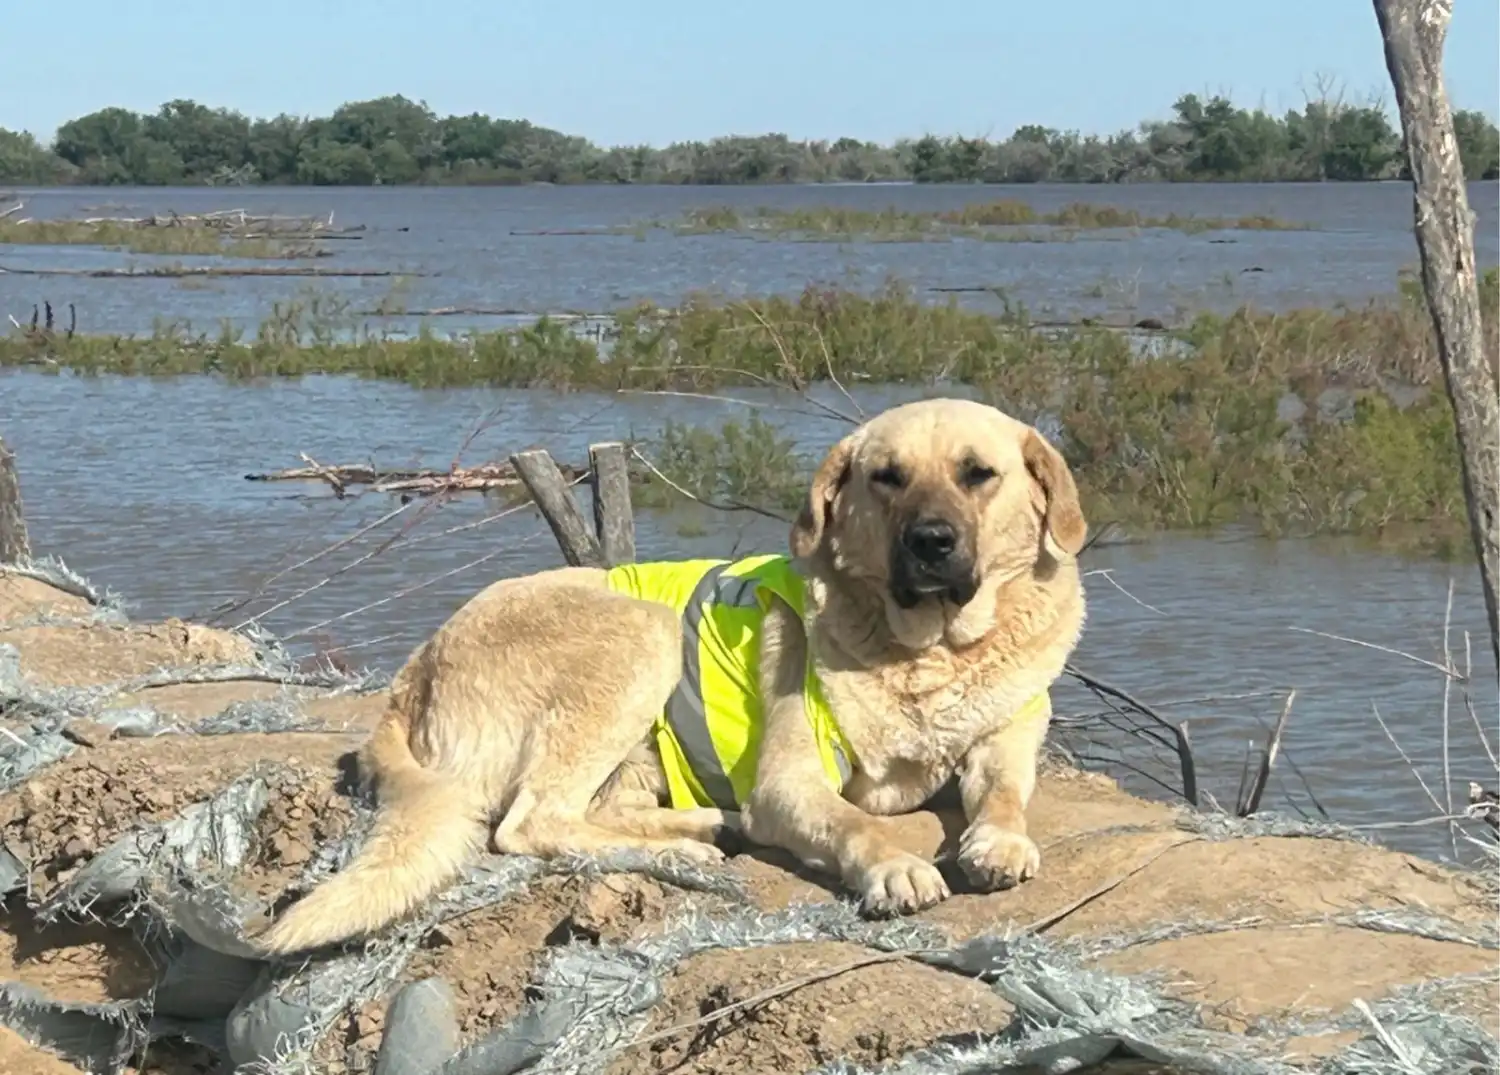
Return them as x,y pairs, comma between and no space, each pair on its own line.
908,643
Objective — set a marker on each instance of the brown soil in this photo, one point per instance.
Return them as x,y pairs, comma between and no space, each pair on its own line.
103,653
1253,973
23,598
304,812
18,1057
70,811
87,963
867,1016
189,703
489,956
1280,879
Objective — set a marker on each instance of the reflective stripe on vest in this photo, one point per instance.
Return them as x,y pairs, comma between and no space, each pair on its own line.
686,713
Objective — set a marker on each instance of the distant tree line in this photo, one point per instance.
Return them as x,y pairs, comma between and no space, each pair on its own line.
392,140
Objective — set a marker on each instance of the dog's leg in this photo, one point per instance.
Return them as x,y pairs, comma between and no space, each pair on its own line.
792,806
589,733
634,800
996,779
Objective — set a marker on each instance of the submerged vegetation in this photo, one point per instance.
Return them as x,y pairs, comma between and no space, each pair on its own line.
129,236
393,140
1313,421
1008,219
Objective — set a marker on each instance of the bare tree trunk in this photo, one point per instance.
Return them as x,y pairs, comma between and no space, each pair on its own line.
1414,33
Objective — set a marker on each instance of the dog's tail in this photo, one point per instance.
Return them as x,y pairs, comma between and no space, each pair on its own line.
428,826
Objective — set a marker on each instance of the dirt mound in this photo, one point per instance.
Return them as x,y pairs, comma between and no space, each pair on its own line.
87,655
86,962
24,598
1249,974
20,1057
721,1012
71,811
189,704
488,956
1242,921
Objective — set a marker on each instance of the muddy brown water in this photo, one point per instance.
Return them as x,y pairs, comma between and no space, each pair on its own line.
139,484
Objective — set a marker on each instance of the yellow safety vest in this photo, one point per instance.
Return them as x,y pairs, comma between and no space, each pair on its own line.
709,733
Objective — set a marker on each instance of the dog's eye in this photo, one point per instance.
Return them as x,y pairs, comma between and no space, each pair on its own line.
972,475
890,476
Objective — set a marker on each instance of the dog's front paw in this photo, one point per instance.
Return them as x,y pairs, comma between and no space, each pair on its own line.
993,858
901,884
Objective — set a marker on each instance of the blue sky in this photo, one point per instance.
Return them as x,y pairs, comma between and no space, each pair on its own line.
628,71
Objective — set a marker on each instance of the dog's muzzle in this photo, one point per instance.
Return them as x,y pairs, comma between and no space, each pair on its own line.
927,561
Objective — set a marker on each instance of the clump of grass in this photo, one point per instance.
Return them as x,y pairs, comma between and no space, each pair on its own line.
733,465
137,239
1007,212
996,221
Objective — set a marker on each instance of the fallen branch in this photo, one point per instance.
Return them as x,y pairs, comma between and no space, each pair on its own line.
422,482
228,220
1250,803
208,270
1179,732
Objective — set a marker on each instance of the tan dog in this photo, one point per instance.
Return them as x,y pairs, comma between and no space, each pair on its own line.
942,599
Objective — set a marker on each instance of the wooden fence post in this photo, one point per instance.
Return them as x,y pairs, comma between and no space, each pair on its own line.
611,540
14,543
614,519
1414,32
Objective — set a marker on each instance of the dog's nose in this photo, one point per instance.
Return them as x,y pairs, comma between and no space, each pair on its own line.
930,540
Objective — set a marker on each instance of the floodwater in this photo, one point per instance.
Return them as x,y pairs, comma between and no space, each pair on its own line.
462,239
140,483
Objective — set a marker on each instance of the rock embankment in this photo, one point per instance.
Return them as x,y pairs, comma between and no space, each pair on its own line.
163,784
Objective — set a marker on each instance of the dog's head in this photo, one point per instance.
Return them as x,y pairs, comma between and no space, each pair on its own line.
938,504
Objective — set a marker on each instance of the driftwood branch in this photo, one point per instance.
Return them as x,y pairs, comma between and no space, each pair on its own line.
1414,32
1178,732
614,521
14,543
1249,803
485,476
554,498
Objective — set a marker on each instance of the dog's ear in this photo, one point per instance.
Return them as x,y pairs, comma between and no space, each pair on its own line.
1063,526
812,520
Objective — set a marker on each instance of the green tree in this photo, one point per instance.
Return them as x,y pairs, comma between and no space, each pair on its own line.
324,162
25,160
1478,145
101,145
1361,145
274,147
396,140
205,140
